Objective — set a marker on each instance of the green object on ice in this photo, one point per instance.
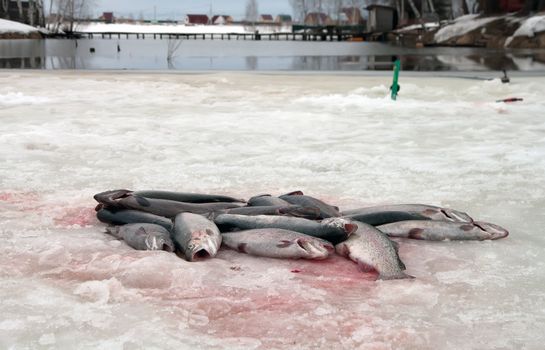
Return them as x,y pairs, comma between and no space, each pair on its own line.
395,86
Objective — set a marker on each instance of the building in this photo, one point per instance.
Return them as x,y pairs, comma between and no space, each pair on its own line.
283,19
381,18
351,16
196,19
317,19
222,19
107,17
511,5
266,18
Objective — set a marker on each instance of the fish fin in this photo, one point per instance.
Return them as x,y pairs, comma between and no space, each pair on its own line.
401,263
114,231
342,249
416,233
336,208
365,267
294,193
142,201
242,247
284,244
397,276
396,245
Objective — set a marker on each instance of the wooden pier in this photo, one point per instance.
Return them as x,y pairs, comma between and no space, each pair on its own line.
220,36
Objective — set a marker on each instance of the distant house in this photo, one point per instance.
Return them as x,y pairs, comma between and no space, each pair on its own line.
317,19
266,18
511,5
221,19
196,19
283,19
351,16
381,18
107,17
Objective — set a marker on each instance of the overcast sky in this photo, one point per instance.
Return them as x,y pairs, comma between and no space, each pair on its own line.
175,9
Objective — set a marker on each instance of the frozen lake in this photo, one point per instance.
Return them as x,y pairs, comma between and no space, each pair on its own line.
65,136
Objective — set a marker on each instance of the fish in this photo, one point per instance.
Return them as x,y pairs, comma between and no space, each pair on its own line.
143,236
372,249
334,230
429,211
385,217
264,200
326,210
278,243
169,208
443,230
195,236
187,197
127,216
109,198
287,210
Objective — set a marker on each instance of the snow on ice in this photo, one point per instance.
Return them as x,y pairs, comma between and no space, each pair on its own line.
65,284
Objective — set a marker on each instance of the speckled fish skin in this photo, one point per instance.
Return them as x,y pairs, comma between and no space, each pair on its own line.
263,200
169,209
334,230
195,236
429,211
442,230
326,210
385,217
128,216
187,197
144,236
287,210
369,247
278,243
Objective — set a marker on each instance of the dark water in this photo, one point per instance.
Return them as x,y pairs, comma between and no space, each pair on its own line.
149,54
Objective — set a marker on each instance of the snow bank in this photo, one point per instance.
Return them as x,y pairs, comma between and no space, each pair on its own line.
15,27
529,28
461,26
174,28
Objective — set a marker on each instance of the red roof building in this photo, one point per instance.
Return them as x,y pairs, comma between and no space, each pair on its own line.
196,19
511,5
266,18
107,17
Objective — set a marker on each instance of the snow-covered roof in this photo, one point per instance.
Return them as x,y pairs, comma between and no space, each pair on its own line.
15,27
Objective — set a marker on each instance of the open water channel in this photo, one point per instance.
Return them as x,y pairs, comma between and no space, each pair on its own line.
149,54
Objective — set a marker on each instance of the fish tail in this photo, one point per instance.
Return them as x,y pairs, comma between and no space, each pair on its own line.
397,276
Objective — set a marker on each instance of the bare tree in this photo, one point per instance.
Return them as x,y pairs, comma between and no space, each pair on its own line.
251,10
172,47
70,11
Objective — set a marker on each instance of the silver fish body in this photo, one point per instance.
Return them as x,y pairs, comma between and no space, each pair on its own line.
326,210
334,230
443,230
127,216
372,249
187,197
263,200
195,236
143,236
278,243
429,211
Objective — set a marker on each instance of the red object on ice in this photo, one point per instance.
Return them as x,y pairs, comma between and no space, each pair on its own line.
295,271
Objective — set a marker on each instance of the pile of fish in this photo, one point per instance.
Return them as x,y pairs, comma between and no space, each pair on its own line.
293,226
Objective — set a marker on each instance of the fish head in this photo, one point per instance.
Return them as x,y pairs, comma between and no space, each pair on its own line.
157,242
455,215
495,231
110,198
315,248
203,245
347,225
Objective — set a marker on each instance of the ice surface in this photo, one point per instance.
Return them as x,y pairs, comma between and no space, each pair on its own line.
64,284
